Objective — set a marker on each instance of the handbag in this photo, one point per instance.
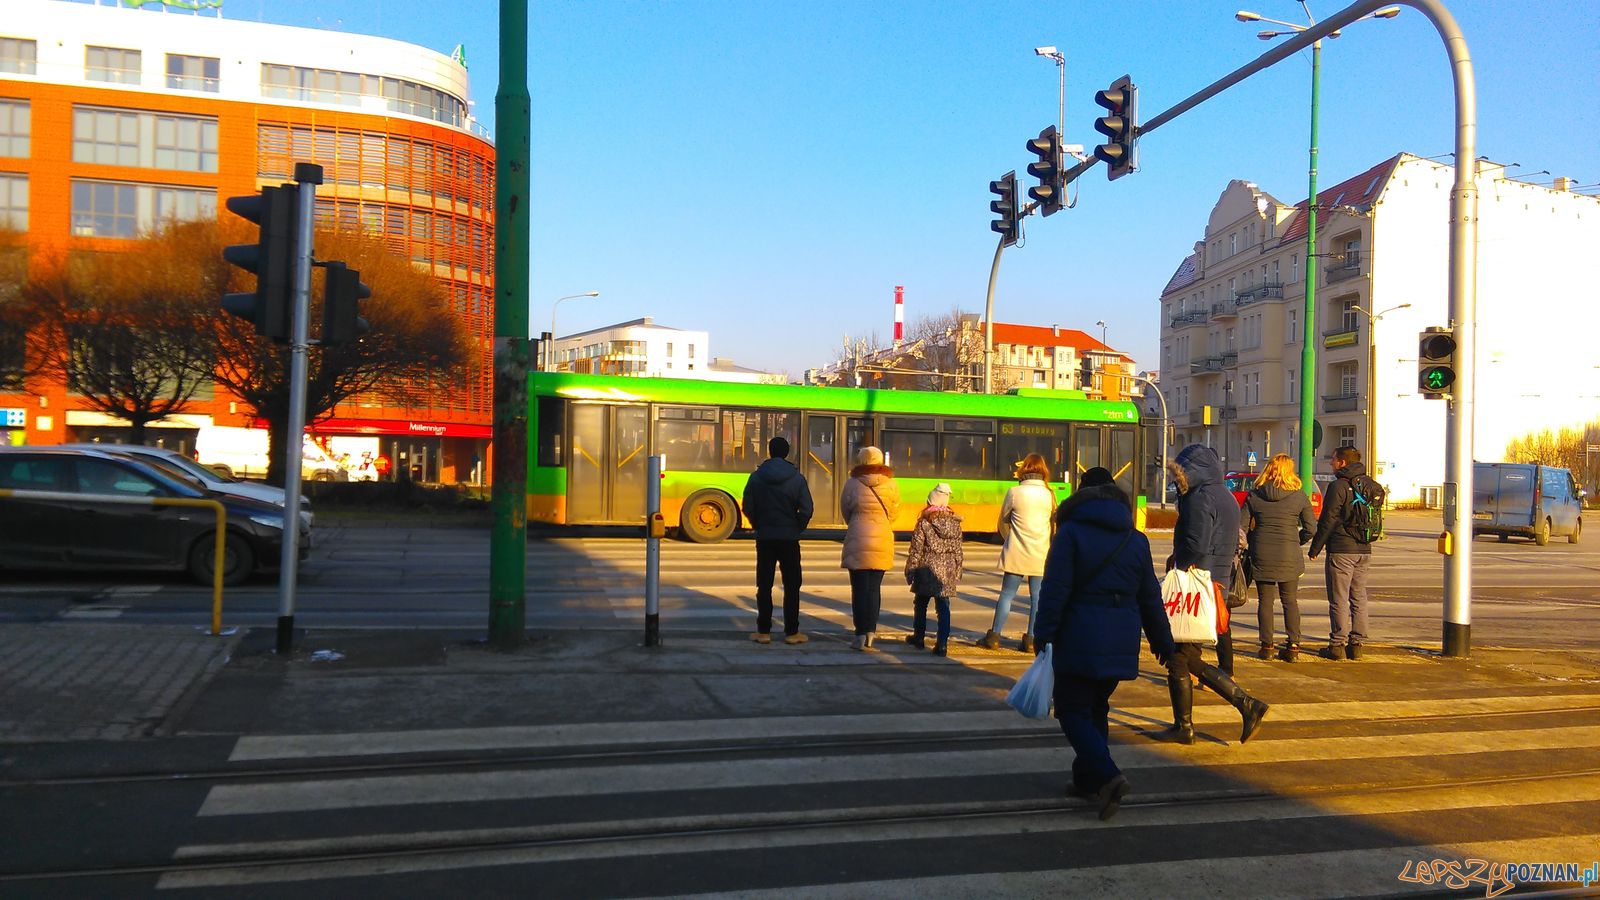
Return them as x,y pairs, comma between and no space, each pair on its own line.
1239,584
1191,604
1031,695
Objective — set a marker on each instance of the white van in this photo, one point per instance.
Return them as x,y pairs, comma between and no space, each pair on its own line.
242,453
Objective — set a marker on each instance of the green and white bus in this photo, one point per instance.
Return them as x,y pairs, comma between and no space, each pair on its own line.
592,434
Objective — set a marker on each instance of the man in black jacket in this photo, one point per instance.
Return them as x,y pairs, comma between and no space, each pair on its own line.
778,504
1346,568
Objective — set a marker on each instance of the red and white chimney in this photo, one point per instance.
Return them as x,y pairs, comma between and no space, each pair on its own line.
899,314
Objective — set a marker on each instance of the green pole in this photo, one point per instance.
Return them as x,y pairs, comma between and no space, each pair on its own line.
508,543
1308,350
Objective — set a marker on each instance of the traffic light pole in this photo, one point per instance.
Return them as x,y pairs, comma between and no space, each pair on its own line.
988,316
309,176
1308,329
1462,279
508,543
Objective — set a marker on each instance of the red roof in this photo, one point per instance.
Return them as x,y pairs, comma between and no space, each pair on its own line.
1358,191
1044,336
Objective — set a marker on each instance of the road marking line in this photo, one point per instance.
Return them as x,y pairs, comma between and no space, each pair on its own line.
381,791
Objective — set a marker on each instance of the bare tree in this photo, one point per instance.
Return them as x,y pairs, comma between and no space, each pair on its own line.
126,330
1565,448
949,347
17,317
413,351
854,352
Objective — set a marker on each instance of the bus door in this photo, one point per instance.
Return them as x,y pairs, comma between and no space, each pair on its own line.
606,469
820,460
1113,447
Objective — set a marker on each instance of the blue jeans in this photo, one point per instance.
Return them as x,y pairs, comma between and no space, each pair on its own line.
1009,584
919,619
1082,707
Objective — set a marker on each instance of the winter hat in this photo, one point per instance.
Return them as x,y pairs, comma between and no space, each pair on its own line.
940,495
869,456
1096,476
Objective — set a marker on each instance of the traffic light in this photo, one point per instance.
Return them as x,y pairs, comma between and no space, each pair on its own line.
1436,362
341,304
271,259
1047,146
1121,152
1008,225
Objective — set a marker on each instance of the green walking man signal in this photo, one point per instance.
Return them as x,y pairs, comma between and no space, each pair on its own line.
1436,362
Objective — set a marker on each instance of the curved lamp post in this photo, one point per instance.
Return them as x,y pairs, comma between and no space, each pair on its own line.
550,351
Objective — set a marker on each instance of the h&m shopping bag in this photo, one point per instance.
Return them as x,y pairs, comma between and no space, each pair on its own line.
1031,696
1191,604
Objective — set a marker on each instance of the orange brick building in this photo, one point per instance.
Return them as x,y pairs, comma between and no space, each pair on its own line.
112,120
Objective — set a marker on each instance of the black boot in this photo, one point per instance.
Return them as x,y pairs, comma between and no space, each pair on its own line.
1250,708
1182,694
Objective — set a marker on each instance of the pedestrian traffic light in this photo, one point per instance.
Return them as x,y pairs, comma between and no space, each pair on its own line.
1121,152
1049,190
1007,225
271,259
1436,362
341,304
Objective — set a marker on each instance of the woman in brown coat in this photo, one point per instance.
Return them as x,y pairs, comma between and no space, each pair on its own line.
869,503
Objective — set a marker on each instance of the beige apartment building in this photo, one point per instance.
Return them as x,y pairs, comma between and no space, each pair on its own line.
1231,325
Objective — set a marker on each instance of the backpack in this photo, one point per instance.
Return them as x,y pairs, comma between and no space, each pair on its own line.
1366,510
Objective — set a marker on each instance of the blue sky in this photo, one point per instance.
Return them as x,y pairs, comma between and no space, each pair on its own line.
770,171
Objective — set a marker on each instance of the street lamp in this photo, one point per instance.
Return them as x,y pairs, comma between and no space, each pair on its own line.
550,352
1308,352
1372,375
1102,324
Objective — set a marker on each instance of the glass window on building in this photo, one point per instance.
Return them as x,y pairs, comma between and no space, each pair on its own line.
19,56
186,143
112,64
113,209
1347,435
13,201
114,137
193,73
16,127
105,137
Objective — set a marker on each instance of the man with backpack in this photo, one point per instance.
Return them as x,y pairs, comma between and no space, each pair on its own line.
1351,520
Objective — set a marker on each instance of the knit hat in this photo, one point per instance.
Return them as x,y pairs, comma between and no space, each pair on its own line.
940,495
1095,477
869,456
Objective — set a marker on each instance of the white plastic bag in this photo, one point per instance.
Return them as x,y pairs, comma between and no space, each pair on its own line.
1191,605
1031,696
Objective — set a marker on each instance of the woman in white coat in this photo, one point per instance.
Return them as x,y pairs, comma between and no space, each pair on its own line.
1025,527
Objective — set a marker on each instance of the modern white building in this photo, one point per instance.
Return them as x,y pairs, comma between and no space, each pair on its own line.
1231,319
641,347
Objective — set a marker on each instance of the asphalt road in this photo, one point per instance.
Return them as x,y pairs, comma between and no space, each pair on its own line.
399,577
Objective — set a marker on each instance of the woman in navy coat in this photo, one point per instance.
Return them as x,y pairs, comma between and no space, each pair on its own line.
1099,590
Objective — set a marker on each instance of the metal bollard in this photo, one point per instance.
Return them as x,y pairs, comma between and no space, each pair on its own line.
655,529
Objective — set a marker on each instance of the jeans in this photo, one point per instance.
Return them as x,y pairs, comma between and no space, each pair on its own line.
1268,591
1347,597
866,595
769,556
920,617
1009,584
1082,706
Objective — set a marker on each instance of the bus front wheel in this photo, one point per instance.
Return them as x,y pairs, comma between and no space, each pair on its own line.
708,517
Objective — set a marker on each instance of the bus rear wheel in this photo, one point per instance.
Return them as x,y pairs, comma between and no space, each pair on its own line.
708,517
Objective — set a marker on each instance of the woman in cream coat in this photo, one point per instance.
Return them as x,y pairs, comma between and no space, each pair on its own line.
1025,528
869,502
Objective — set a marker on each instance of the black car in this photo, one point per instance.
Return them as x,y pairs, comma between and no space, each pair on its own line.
85,534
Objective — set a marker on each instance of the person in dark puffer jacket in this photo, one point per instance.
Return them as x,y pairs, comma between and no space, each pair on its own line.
933,567
1206,537
1099,591
777,502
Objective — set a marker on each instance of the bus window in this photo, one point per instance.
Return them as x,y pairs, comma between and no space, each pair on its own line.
552,432
1085,450
858,434
1122,459
968,455
912,453
745,433
688,437
1018,439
